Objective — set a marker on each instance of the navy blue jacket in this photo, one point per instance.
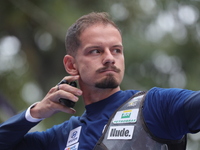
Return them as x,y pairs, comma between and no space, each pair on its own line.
169,114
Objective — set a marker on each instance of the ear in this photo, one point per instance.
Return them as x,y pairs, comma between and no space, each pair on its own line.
70,66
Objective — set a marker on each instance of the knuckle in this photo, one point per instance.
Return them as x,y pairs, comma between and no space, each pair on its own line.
52,89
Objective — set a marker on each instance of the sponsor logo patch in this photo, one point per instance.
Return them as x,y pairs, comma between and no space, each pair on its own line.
74,136
72,147
121,132
126,116
133,102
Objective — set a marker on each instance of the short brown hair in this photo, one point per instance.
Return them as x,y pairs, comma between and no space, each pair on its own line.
72,41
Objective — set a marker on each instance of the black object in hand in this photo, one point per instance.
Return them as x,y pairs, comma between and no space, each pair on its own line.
67,102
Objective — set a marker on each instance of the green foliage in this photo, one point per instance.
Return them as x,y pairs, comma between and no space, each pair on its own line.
161,45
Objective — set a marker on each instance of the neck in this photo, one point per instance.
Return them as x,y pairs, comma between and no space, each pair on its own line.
94,95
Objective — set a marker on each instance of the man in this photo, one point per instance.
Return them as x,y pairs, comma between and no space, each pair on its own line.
95,59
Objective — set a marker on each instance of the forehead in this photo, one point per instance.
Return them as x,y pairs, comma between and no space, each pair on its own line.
101,33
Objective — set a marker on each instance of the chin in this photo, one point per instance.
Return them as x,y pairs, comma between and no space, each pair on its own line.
109,82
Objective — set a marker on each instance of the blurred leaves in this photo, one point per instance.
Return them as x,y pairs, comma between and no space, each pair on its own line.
161,41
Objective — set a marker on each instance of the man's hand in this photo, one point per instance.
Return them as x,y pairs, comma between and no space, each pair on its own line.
50,104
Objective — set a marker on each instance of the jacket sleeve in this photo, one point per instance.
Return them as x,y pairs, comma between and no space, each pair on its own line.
167,112
192,111
13,130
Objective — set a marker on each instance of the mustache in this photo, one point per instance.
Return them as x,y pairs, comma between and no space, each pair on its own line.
106,68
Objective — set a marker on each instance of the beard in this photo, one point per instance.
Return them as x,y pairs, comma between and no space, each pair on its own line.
108,82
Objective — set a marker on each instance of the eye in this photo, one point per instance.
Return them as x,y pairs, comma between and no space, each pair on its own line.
117,50
95,51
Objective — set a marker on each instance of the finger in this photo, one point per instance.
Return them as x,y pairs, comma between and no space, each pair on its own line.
63,94
70,89
53,89
71,78
65,109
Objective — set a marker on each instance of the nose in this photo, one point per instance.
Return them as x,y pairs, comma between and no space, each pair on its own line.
108,58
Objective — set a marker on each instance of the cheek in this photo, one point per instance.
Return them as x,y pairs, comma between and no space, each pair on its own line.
85,69
121,64
122,67
87,75
86,65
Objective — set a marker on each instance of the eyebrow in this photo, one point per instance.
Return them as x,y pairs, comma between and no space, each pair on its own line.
93,47
118,46
99,47
121,46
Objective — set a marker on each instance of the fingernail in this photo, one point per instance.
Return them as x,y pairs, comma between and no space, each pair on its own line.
75,98
79,92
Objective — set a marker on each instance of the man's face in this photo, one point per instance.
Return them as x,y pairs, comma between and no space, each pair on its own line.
99,59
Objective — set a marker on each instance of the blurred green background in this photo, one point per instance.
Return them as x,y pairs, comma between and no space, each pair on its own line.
161,40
